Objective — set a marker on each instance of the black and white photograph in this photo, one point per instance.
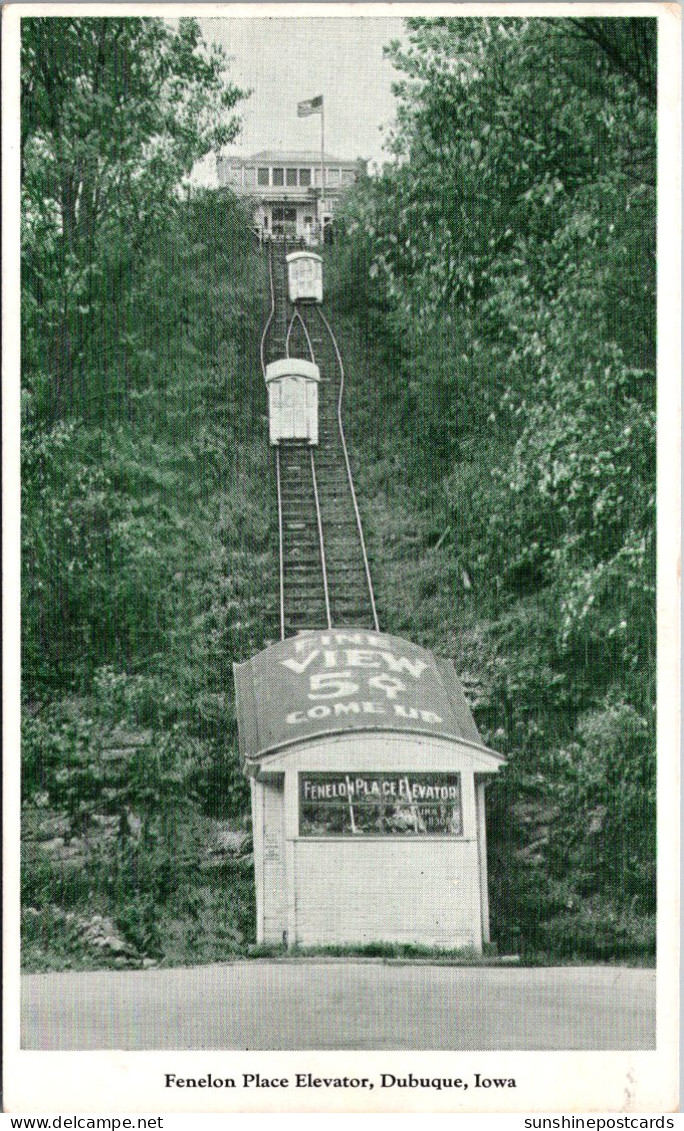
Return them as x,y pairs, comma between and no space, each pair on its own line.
341,590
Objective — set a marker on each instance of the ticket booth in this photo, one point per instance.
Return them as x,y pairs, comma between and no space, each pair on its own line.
367,780
305,276
292,400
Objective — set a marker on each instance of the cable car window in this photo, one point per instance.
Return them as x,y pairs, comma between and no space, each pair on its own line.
262,177
380,804
305,177
291,176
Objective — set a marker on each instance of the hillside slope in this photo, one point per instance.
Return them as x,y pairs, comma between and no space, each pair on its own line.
571,818
149,559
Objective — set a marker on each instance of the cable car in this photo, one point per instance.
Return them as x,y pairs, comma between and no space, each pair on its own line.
305,276
292,400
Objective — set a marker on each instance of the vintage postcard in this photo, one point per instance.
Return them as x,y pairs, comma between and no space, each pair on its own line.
341,591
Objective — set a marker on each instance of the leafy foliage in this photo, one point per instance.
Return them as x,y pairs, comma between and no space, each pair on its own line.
148,568
114,113
146,528
501,275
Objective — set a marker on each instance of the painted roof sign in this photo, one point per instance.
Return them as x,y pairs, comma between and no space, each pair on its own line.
334,681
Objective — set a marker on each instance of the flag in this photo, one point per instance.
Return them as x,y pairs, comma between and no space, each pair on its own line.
311,106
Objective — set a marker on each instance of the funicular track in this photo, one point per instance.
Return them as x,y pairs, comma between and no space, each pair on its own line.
325,579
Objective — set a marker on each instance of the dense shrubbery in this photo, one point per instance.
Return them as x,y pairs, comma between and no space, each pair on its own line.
498,292
148,568
147,554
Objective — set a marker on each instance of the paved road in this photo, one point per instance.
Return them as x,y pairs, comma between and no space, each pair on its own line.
344,1005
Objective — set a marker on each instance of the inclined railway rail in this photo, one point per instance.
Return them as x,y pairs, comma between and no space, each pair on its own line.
324,575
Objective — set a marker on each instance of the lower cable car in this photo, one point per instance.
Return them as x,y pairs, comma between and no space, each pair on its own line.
292,400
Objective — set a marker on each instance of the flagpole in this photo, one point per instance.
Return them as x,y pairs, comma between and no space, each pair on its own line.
320,218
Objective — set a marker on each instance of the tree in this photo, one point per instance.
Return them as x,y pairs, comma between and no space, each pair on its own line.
629,46
115,112
511,252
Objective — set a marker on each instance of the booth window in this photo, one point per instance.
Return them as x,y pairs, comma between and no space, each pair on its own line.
370,804
262,176
278,176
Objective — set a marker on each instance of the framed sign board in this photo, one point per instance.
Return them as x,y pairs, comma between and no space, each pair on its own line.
389,804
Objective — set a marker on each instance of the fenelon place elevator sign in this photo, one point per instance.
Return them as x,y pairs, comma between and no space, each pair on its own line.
326,682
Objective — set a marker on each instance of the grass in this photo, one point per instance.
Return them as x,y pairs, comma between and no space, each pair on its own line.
466,956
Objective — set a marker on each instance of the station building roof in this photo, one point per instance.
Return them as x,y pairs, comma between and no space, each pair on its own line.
291,156
340,680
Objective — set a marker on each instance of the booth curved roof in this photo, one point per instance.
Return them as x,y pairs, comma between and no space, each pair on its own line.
341,680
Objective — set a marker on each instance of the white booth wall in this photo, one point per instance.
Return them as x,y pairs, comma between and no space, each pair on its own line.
317,890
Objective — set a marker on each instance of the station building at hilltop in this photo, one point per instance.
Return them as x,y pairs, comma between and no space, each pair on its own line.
285,187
